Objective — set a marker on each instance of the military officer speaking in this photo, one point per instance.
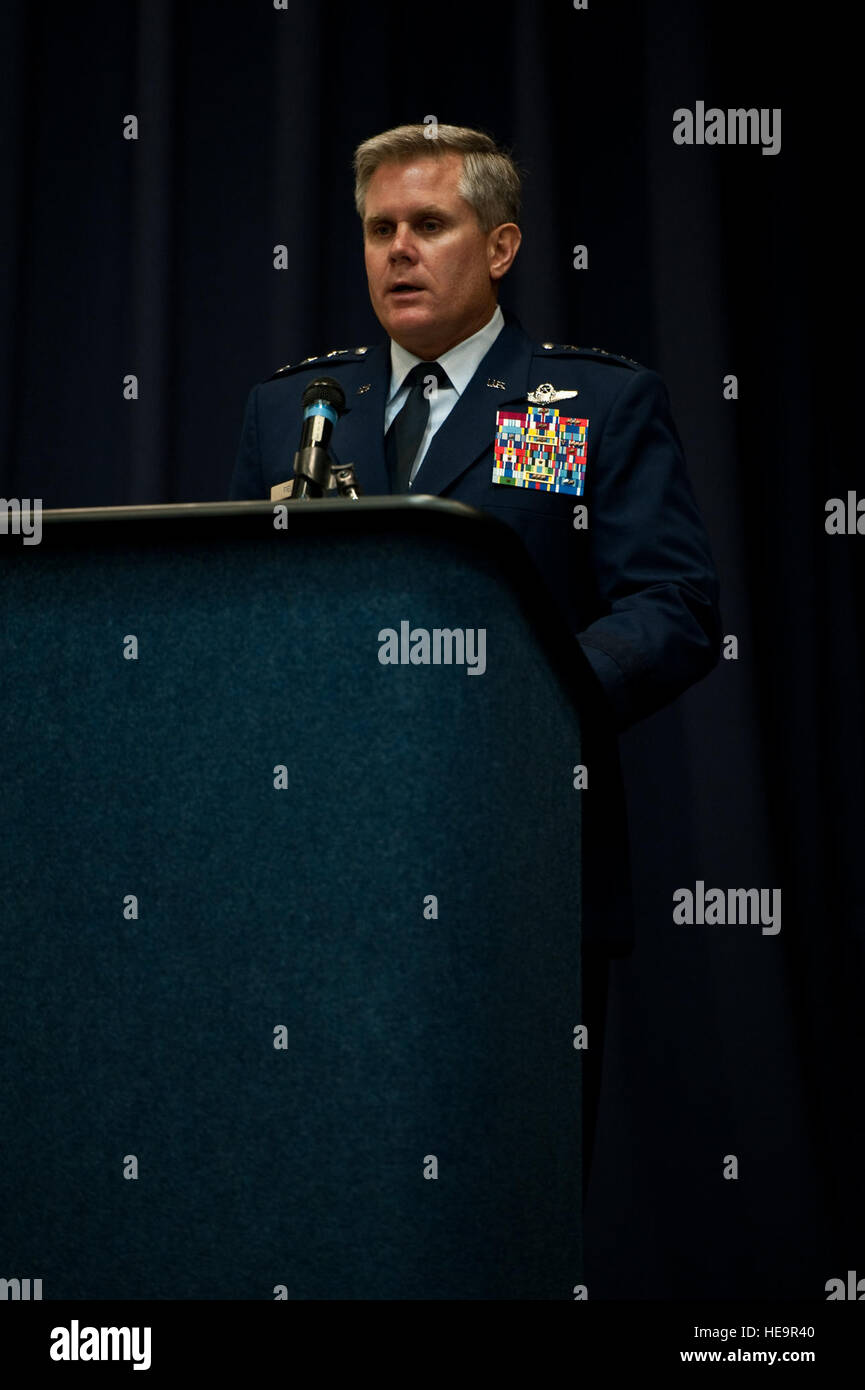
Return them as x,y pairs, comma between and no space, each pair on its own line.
574,448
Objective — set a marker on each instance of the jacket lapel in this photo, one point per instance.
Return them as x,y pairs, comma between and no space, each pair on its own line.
470,429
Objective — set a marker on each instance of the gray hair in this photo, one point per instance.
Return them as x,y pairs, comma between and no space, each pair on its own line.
490,180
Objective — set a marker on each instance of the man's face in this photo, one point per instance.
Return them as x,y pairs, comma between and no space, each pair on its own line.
431,270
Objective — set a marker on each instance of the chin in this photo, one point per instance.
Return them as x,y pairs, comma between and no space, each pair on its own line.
415,327
412,320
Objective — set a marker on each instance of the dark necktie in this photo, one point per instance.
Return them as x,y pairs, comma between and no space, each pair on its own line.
403,439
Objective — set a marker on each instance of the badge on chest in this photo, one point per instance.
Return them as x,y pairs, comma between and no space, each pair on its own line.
542,449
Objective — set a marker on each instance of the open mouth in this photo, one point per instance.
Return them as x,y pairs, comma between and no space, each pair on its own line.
401,291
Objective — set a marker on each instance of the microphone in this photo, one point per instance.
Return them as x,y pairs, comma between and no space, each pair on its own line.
323,402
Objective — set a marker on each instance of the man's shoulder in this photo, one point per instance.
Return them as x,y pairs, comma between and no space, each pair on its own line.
560,366
336,357
567,353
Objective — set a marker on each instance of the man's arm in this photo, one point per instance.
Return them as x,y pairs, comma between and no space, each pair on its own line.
651,560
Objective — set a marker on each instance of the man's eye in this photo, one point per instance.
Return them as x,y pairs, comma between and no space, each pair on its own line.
430,225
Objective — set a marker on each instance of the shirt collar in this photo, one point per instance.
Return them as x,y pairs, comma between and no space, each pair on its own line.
460,362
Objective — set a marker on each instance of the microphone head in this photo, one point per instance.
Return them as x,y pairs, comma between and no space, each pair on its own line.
325,389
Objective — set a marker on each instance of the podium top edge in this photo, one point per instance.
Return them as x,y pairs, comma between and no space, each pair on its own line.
331,506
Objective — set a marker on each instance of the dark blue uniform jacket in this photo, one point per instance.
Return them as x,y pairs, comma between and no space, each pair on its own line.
637,585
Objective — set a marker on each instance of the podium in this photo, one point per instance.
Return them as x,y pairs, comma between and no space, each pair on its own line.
290,951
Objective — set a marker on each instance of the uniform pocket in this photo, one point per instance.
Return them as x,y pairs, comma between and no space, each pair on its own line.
500,497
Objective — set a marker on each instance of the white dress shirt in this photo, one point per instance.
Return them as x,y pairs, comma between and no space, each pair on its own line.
460,363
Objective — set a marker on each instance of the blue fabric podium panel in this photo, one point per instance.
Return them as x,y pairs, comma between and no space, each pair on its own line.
407,1037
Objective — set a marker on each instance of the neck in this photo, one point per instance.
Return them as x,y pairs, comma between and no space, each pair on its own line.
432,351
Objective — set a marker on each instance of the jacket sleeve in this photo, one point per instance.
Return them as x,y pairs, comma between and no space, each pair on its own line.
650,555
247,482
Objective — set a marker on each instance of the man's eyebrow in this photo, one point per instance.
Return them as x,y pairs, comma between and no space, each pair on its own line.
440,213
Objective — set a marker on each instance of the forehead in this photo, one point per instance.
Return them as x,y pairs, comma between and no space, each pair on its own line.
414,183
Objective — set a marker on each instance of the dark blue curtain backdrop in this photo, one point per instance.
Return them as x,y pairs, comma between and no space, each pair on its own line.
155,257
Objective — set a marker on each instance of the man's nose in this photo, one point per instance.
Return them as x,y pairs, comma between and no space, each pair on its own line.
403,244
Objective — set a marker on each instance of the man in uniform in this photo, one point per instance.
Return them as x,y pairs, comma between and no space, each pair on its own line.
574,448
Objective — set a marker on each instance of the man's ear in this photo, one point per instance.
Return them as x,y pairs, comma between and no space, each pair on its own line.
503,244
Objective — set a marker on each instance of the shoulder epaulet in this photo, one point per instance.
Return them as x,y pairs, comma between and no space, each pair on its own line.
567,350
333,358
